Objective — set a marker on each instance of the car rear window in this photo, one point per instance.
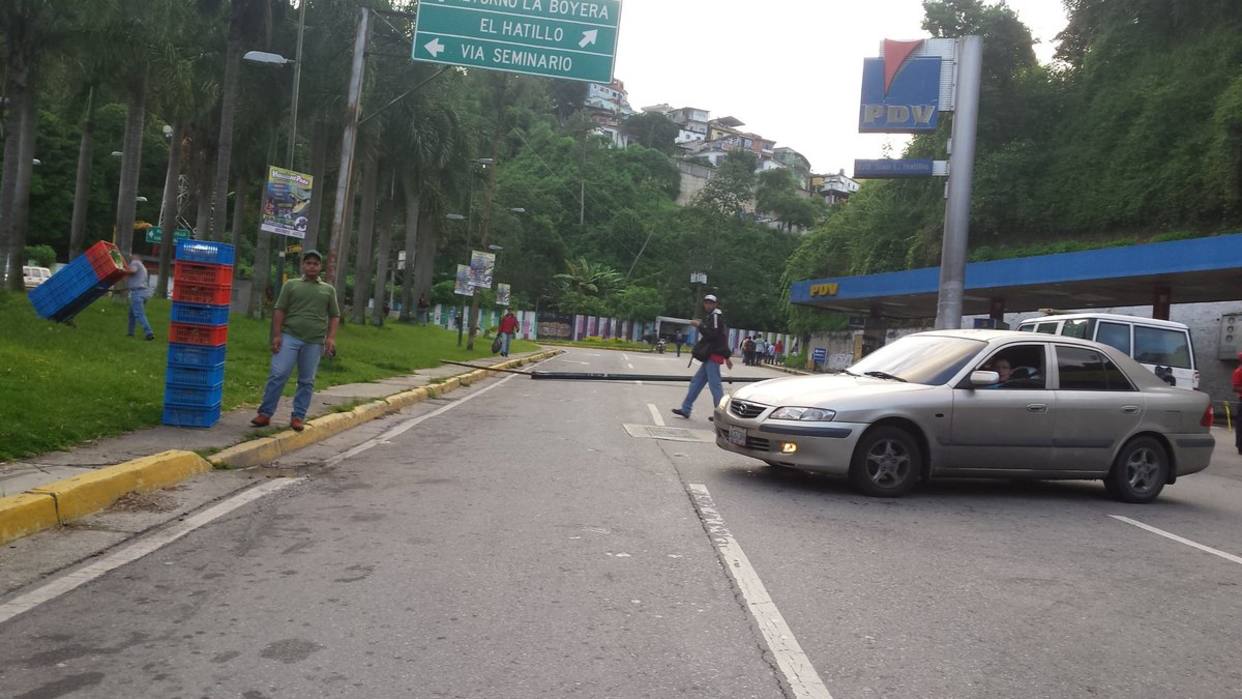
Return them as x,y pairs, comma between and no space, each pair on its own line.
1046,328
1081,328
1162,346
1087,370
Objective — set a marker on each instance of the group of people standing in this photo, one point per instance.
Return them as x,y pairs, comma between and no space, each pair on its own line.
755,350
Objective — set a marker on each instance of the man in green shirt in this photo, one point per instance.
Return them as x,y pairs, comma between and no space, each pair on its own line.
303,328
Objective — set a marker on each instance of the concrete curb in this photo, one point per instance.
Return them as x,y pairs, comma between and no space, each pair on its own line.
268,449
73,498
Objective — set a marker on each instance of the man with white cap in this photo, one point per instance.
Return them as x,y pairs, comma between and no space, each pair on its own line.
711,350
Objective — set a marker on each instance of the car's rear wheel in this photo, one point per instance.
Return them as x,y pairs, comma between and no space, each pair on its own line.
1140,471
887,463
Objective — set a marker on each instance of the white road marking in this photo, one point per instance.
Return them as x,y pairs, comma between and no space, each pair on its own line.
1179,539
74,579
629,365
793,663
410,424
655,414
625,357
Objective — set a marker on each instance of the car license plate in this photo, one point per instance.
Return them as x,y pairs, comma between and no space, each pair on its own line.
737,436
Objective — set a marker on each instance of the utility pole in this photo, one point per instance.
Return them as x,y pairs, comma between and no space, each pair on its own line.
961,178
338,245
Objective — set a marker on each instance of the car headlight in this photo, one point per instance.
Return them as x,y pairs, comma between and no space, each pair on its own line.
724,403
803,414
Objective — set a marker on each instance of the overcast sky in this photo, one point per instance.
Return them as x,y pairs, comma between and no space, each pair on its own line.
790,69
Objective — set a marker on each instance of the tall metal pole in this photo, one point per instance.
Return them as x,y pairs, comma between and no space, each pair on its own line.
297,84
293,124
338,246
961,178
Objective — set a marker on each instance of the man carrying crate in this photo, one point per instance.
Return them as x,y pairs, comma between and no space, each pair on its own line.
136,278
303,328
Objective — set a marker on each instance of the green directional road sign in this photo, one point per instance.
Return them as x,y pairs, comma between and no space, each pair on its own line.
155,234
569,39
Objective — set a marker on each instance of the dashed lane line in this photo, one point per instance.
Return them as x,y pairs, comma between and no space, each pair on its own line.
1179,539
803,680
655,414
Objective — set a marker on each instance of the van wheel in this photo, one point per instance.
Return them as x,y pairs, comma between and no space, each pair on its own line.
887,463
1140,471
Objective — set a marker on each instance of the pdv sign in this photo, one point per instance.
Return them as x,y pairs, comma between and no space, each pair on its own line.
900,93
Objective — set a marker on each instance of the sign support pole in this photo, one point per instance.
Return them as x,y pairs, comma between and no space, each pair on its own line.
961,178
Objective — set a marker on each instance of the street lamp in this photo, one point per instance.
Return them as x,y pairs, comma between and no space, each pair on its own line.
265,57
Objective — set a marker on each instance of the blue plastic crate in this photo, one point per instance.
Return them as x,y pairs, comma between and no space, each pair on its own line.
191,375
200,313
191,416
195,355
75,278
205,251
77,305
45,300
193,396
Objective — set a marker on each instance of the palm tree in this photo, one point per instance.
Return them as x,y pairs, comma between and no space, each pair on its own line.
248,20
589,278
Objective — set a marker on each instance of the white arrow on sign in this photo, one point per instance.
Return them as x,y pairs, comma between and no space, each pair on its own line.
588,38
434,47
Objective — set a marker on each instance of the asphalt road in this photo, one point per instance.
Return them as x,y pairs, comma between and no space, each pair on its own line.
521,543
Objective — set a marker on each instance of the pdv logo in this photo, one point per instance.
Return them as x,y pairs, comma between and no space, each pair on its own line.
900,94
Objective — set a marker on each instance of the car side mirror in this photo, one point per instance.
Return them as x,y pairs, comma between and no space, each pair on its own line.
984,378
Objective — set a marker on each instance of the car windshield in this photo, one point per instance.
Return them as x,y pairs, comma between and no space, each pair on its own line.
925,359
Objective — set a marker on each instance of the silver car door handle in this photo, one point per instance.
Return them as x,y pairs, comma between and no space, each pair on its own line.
1130,409
1036,408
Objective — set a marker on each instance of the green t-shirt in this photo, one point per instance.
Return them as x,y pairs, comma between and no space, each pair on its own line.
308,306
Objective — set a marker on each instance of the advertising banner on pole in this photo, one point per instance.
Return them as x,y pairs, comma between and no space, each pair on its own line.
463,286
503,292
482,269
286,200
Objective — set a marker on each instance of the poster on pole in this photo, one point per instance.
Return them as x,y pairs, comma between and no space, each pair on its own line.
463,286
286,203
482,269
503,292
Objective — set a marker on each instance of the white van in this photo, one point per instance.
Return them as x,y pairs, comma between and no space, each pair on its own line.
1162,346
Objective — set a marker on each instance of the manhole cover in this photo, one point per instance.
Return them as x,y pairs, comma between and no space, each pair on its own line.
672,434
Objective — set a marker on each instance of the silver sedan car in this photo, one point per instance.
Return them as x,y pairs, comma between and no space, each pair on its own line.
990,403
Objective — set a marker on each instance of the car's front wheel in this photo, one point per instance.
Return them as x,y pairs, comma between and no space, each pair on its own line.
887,463
1140,471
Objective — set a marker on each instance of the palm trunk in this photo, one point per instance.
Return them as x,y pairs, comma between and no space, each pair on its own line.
131,160
169,210
82,183
383,253
228,107
485,227
21,190
341,280
239,215
260,280
425,258
15,87
366,233
202,194
319,167
413,206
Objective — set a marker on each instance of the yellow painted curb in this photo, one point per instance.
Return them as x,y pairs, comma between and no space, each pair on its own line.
268,449
25,514
89,493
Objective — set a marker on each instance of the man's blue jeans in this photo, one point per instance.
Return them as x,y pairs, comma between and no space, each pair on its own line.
293,352
138,313
505,339
709,374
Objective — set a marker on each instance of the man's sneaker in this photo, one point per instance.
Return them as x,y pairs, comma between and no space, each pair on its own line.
261,420
150,337
681,413
296,424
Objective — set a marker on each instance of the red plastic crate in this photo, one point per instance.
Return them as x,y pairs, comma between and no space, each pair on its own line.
211,294
191,334
106,259
195,273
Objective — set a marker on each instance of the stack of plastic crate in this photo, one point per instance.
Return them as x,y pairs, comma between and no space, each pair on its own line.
198,335
79,283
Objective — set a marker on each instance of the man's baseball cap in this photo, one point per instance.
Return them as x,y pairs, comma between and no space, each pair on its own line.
710,297
312,253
